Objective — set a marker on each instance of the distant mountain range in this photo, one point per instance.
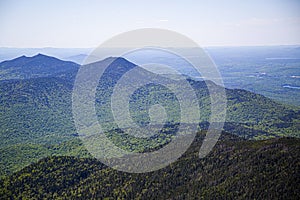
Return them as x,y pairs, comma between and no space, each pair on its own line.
263,70
61,53
77,58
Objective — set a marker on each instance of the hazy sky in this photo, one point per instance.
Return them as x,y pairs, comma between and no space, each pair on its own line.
74,23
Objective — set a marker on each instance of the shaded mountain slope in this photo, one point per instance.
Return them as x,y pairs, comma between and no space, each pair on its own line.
235,169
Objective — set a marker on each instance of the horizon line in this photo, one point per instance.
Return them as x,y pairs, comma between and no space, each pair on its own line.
204,46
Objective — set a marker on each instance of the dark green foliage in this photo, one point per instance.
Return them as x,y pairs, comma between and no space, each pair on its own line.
15,157
254,111
35,110
236,168
252,115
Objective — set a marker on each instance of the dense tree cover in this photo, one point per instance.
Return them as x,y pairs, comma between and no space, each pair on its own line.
34,67
36,112
236,168
244,109
15,157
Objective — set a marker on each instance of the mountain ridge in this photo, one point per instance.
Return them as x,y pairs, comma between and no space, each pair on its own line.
33,67
38,110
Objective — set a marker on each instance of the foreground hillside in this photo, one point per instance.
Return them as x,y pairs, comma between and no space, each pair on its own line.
266,169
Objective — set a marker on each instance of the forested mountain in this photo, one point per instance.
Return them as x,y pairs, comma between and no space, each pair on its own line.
36,113
33,67
235,169
272,71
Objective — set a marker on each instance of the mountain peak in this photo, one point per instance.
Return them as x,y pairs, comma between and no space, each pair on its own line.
112,58
39,55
